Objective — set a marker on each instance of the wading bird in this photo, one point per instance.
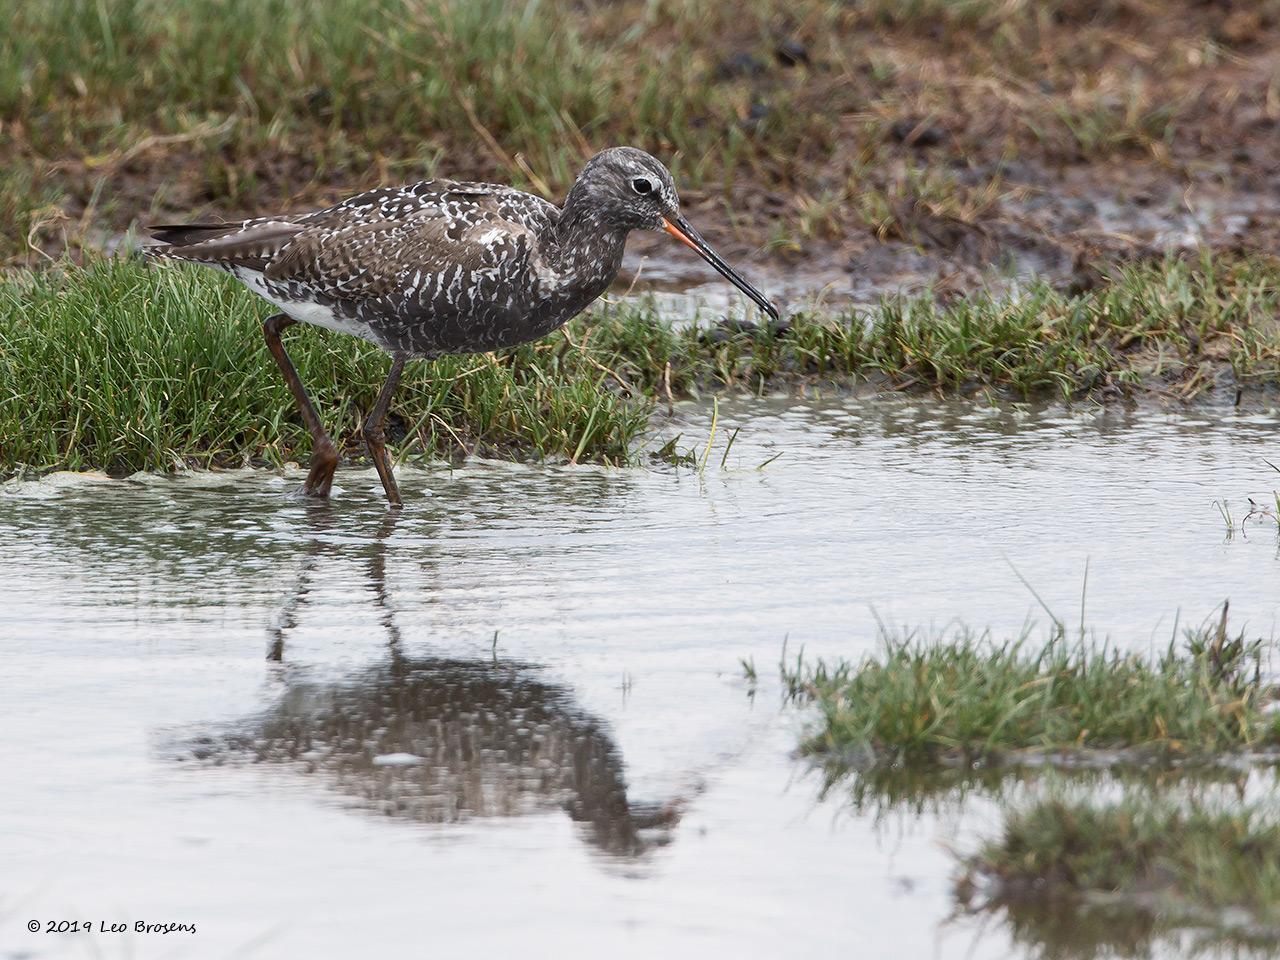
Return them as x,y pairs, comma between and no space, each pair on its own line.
440,267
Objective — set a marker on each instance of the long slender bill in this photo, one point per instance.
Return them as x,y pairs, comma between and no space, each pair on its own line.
680,229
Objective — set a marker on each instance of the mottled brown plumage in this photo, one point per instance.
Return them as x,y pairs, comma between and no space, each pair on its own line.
441,267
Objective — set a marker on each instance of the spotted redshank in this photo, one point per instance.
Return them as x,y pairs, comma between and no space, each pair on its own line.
440,267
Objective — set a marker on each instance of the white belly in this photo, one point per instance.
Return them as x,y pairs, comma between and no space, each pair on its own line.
316,314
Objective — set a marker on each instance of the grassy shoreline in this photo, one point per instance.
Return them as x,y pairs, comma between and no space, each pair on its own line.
120,366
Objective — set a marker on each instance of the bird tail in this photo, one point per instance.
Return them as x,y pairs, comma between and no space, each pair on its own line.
186,234
248,243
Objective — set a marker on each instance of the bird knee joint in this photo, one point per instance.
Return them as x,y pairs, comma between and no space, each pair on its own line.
272,326
325,451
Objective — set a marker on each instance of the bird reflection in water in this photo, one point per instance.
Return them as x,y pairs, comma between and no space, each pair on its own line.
439,740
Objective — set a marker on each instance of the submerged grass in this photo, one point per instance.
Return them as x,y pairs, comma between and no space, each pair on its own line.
969,699
1187,863
116,365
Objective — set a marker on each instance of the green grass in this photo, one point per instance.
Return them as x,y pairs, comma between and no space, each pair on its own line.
967,699
114,365
121,367
266,96
1184,862
1174,327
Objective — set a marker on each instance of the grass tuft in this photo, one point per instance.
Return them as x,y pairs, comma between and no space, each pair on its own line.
969,699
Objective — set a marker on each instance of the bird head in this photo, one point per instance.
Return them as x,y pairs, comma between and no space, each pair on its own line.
631,190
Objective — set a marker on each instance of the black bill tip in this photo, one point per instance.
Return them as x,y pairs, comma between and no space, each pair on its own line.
679,228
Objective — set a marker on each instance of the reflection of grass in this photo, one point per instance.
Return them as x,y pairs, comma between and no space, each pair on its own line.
968,699
882,790
117,366
1128,868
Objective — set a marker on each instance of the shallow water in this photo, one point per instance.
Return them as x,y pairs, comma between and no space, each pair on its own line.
515,720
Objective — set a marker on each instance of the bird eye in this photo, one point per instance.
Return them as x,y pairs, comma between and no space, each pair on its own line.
641,185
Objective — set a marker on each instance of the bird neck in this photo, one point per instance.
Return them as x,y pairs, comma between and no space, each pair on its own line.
585,242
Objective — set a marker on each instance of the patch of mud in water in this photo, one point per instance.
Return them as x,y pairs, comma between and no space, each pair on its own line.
201,674
1159,214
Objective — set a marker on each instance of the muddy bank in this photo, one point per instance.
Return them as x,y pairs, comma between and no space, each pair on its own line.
849,149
